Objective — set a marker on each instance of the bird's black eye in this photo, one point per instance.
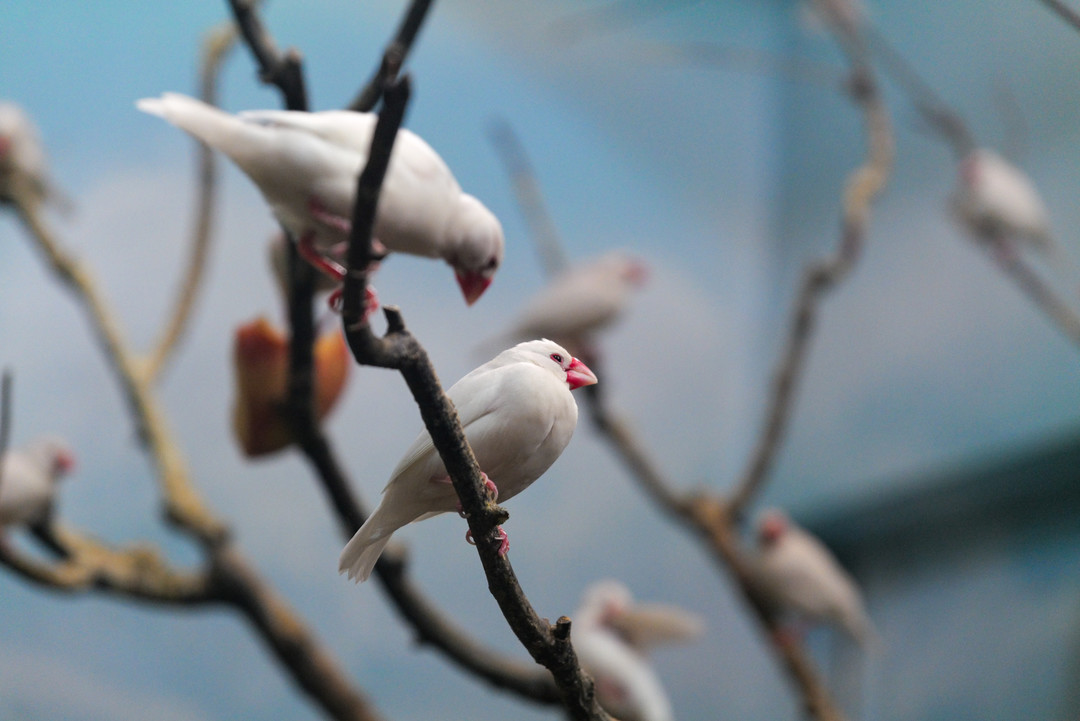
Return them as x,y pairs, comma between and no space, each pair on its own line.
557,358
492,263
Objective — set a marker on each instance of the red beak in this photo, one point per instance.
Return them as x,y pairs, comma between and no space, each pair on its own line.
578,375
472,285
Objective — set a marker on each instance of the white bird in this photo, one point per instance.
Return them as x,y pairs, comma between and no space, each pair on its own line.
802,578
611,634
518,415
998,202
22,160
306,166
581,301
28,480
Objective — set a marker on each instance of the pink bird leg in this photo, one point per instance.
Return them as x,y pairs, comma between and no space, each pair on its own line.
489,487
504,540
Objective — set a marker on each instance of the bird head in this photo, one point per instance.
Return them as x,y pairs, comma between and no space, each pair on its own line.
771,526
474,247
604,601
552,356
54,455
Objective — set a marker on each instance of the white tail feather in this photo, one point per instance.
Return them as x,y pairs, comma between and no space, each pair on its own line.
209,124
363,550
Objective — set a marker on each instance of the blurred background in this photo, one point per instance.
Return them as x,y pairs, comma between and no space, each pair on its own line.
934,445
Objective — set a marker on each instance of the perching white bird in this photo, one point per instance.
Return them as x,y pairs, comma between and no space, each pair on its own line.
518,415
802,578
581,301
22,160
611,635
997,202
28,480
306,165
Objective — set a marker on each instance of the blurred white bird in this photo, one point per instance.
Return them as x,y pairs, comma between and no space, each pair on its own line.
611,635
306,165
803,579
998,203
22,160
518,415
28,480
581,301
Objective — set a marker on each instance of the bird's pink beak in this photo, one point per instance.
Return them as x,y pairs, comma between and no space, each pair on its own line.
65,462
578,375
472,285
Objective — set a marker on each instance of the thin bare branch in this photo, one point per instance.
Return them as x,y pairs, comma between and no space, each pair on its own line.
1066,13
216,46
280,69
1042,294
545,235
549,645
5,419
183,505
863,185
407,31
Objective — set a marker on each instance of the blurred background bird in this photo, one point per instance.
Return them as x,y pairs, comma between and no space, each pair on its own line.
612,635
803,580
28,480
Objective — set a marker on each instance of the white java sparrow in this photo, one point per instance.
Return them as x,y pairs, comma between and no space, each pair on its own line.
803,579
611,635
22,160
306,165
518,415
998,202
28,480
581,300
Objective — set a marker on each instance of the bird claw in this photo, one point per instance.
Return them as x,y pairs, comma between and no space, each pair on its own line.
371,302
504,540
321,214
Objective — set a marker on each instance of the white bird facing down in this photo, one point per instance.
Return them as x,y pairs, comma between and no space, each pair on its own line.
28,480
306,166
22,160
611,634
998,202
518,415
582,300
802,578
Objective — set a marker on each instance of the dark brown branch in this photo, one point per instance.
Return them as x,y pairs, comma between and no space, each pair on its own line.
399,349
5,419
516,161
275,68
399,48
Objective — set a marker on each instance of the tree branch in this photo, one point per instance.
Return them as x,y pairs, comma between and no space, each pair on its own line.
216,46
399,349
1065,12
399,47
183,505
5,419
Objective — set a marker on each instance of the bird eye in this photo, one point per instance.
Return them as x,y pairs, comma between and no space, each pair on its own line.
557,358
492,263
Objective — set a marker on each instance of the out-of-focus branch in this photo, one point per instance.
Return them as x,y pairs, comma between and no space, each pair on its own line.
5,419
545,236
216,46
407,31
281,69
1065,12
1040,292
549,645
183,505
139,572
863,185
